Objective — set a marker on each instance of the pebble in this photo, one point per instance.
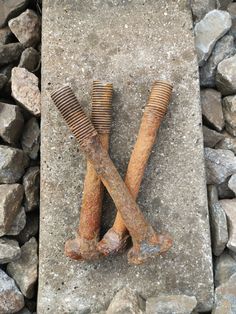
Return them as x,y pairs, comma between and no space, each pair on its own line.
30,141
26,28
10,9
10,53
171,304
13,162
24,270
223,4
229,110
225,267
11,196
225,76
11,122
31,187
224,48
220,164
212,109
224,190
232,183
31,228
229,207
29,59
212,27
211,137
25,90
11,298
9,250
229,142
18,223
5,35
201,7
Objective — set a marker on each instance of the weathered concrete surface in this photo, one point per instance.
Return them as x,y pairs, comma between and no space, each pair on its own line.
130,43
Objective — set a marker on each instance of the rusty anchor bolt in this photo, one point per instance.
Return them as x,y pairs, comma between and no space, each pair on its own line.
83,247
146,242
116,237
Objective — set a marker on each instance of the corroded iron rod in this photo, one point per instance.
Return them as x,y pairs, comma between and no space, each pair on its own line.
146,242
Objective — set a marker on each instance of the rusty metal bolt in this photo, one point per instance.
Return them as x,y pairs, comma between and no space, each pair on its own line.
146,242
115,239
83,247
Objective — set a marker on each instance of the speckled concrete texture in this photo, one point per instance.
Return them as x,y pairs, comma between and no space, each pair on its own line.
130,43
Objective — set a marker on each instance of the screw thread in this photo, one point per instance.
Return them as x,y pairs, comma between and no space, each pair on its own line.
72,112
159,99
101,106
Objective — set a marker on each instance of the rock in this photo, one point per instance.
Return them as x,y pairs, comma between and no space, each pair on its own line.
11,298
232,183
9,250
232,254
220,164
31,138
3,80
10,9
11,196
228,142
211,137
212,108
25,90
232,11
24,311
26,28
225,78
29,59
13,162
212,27
31,228
11,122
229,208
201,7
229,110
225,297
18,223
225,267
5,34
31,186
224,190
223,4
24,270
125,301
10,53
224,48
171,304
218,222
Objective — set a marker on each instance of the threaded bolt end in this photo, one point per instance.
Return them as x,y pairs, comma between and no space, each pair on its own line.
159,99
101,106
73,114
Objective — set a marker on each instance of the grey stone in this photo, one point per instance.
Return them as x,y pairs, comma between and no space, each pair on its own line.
224,48
232,183
9,250
125,301
24,270
24,311
10,9
232,11
29,59
18,223
31,186
225,267
26,28
212,108
225,297
229,142
229,208
5,34
171,304
223,4
212,27
218,222
11,196
224,190
31,228
11,122
11,298
179,143
232,254
10,53
229,109
220,164
211,137
25,90
225,78
13,162
201,7
31,138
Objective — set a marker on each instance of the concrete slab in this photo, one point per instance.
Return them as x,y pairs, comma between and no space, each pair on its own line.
130,43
